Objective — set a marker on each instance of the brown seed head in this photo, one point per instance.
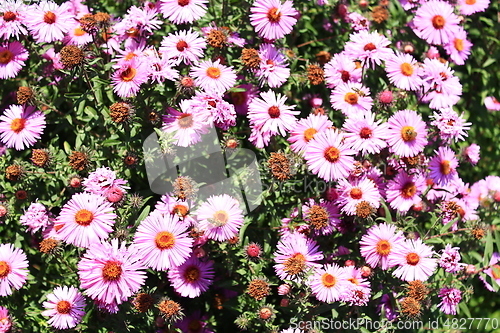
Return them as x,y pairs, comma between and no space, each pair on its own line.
170,310
120,112
410,307
13,172
417,290
48,245
79,160
143,302
364,209
380,14
250,58
315,74
71,56
88,23
279,164
216,38
40,157
323,57
258,289
24,95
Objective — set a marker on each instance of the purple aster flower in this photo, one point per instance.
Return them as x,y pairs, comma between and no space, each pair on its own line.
214,76
404,190
379,241
450,297
273,66
21,126
403,71
364,134
342,69
192,278
435,22
305,130
443,166
406,133
442,88
185,46
183,11
329,283
450,259
352,99
451,125
459,47
12,15
370,47
13,272
12,58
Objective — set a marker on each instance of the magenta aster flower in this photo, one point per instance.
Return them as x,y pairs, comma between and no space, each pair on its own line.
442,88
12,58
403,71
220,217
241,99
328,155
5,320
273,19
85,219
459,47
65,307
192,278
13,272
183,11
162,241
342,69
450,297
295,256
352,193
273,66
194,323
185,46
187,126
127,80
12,14
211,75
414,259
435,22
404,190
491,103
450,259
21,127
36,217
378,243
471,153
353,99
406,133
111,273
329,282
469,7
305,130
371,48
443,166
364,134
48,22
270,113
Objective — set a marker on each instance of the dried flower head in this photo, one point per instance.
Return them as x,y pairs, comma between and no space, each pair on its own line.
79,160
266,313
478,232
88,23
315,74
131,160
21,195
250,58
185,187
135,200
102,19
216,38
171,311
143,302
49,246
41,157
258,289
380,14
121,112
410,307
71,56
364,209
24,95
323,57
318,217
417,290
280,166
14,172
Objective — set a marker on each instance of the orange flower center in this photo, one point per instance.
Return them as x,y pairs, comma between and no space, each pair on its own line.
406,69
459,44
332,154
274,112
383,247
63,307
470,2
408,133
181,45
353,281
309,134
130,56
49,18
18,125
351,98
192,274
165,240
84,217
445,167
185,120
365,133
438,22
412,258
111,271
128,74
213,72
4,269
79,32
9,16
273,15
221,217
6,56
408,190
180,210
369,47
356,193
328,280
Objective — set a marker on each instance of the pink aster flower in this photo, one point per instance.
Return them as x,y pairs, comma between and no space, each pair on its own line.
36,217
171,205
211,75
352,99
371,48
258,137
450,297
12,15
160,68
12,58
414,259
48,22
404,190
185,46
358,22
162,241
469,7
491,103
138,22
442,88
183,11
270,114
127,80
435,22
403,71
329,156
102,180
5,320
342,69
77,36
443,166
295,256
471,153
450,259
214,109
329,283
273,19
305,130
459,47
273,66
493,271
220,217
187,126
192,278
13,272
364,134
21,126
85,219
406,133
451,125
65,307
378,243
111,273
352,193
